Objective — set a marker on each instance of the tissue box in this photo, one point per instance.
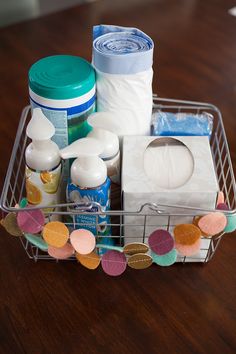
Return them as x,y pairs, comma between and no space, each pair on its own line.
165,170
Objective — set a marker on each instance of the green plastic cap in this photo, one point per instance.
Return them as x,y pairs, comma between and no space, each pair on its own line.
61,77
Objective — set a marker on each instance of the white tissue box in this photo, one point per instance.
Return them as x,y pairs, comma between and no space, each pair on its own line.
172,171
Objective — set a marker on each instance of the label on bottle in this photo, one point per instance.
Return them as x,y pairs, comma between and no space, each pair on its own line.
42,187
99,225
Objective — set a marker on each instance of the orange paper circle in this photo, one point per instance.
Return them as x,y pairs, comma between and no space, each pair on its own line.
90,261
55,233
186,234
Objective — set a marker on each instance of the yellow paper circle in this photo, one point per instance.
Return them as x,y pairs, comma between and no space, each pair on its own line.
56,234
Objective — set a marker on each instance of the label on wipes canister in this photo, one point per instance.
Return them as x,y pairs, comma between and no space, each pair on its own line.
42,187
70,124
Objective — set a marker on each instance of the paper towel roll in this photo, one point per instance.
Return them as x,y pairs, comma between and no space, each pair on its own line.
122,58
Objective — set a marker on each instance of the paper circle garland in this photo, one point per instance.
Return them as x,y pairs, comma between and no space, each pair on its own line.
166,260
161,242
61,253
89,261
188,250
114,263
31,221
186,234
10,225
83,241
164,247
139,261
56,234
213,223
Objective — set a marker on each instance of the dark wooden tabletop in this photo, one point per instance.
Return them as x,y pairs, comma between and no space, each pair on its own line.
63,308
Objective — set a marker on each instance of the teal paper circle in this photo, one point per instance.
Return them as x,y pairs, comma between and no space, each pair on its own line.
37,241
166,260
231,224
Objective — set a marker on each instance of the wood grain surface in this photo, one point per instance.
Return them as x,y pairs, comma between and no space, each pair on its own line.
64,308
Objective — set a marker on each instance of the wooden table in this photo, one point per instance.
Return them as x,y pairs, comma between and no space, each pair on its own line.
64,308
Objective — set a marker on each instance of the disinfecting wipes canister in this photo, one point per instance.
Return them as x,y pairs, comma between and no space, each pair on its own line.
63,86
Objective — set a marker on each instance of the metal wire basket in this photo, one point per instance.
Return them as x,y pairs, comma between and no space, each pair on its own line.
14,188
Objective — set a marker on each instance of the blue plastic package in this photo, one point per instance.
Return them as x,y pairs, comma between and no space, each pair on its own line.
182,124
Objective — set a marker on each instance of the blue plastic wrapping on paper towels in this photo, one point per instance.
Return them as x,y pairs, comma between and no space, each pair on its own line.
182,124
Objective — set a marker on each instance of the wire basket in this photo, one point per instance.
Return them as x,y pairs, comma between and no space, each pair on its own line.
14,189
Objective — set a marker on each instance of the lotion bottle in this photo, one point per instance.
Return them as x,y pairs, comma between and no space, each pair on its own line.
43,163
89,184
110,153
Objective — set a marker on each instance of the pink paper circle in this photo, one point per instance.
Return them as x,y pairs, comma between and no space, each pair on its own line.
161,242
83,241
114,263
61,253
188,250
222,206
31,221
220,198
213,223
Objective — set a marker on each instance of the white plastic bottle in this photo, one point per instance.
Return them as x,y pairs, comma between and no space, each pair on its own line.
111,152
89,184
43,162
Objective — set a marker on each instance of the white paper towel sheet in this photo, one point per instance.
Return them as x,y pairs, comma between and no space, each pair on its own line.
130,96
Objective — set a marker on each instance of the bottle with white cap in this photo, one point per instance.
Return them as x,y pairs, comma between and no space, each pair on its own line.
89,184
111,152
43,162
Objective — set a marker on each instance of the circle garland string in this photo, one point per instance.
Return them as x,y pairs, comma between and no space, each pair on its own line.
55,238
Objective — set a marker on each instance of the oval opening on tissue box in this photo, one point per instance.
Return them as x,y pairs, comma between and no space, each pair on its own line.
168,163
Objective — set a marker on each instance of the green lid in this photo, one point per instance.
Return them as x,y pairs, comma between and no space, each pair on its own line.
61,77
